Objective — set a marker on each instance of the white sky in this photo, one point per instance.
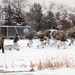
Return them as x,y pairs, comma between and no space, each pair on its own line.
70,3
67,2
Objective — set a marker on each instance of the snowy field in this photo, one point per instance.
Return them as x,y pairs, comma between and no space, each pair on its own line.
37,61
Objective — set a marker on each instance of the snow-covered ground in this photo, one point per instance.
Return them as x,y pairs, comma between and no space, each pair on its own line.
43,61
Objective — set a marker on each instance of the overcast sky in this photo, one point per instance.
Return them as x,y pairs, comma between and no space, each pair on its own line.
67,2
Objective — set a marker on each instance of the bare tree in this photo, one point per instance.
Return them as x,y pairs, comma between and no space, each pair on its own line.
62,15
51,6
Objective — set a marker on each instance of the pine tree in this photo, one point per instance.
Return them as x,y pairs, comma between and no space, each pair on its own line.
36,15
9,15
51,21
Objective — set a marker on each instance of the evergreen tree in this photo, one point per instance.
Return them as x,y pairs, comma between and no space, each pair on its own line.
36,15
14,14
9,15
51,21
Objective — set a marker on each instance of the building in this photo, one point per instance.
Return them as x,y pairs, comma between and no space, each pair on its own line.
11,31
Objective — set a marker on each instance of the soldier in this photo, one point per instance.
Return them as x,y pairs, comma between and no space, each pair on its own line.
72,37
55,39
63,40
42,38
15,42
47,36
29,36
2,44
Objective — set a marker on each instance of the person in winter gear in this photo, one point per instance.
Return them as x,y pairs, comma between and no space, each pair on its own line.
55,40
29,36
42,38
72,37
15,42
2,44
63,40
47,36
